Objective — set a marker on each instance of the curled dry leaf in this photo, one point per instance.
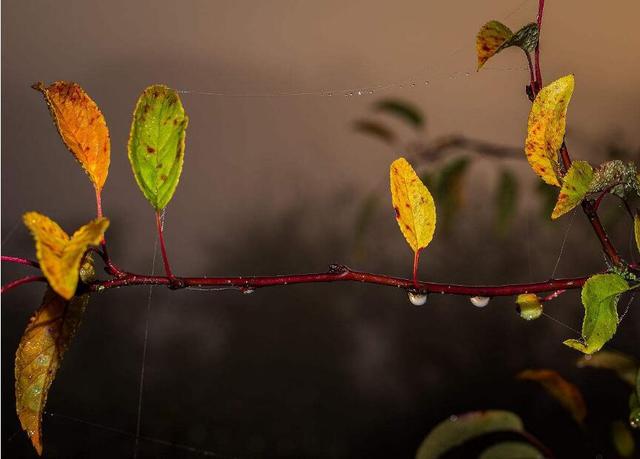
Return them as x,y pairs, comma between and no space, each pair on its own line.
60,255
82,127
413,204
559,388
39,354
490,38
529,306
575,187
546,128
156,143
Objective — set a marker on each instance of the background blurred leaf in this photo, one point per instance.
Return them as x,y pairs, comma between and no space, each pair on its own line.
506,199
548,195
625,366
459,429
403,110
622,439
559,388
375,129
511,450
449,189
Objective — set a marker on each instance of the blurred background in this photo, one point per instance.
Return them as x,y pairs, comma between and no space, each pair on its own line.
286,170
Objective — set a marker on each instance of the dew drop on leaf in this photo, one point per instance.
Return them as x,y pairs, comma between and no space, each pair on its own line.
479,301
417,299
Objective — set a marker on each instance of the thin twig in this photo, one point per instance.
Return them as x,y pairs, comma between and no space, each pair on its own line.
18,282
21,261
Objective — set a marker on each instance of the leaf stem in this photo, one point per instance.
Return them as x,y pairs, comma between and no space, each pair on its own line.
537,50
416,260
21,261
98,203
18,282
163,249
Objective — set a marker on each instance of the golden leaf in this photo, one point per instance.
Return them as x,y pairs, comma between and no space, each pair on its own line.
559,388
490,38
38,357
59,255
546,128
413,204
636,229
82,127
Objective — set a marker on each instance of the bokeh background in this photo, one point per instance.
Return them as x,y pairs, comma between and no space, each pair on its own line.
277,180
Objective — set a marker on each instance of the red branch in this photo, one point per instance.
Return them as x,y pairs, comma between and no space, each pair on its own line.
21,261
18,282
338,273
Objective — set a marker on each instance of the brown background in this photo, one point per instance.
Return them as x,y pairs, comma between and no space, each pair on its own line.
273,183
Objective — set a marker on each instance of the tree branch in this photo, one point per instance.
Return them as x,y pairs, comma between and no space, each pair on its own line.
18,282
21,261
339,273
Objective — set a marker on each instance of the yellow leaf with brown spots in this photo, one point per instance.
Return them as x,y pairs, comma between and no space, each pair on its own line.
82,127
636,229
546,128
575,187
38,357
413,204
490,38
60,255
559,388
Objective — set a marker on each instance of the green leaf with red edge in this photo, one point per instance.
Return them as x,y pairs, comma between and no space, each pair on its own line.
600,296
157,142
566,393
575,186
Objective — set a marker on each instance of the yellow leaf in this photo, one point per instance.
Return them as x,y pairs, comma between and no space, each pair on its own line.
545,132
38,357
636,229
82,127
59,255
413,204
575,187
559,388
489,39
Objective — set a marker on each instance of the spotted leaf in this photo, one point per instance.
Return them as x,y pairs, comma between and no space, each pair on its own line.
82,127
413,204
157,142
546,128
490,38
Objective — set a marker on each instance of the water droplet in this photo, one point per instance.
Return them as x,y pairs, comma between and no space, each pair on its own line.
413,85
371,91
426,83
248,291
467,74
417,299
453,418
359,93
329,94
479,301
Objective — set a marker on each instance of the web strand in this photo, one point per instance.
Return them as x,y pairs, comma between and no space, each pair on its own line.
562,246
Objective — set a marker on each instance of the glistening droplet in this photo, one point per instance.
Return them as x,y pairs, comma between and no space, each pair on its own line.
479,301
417,299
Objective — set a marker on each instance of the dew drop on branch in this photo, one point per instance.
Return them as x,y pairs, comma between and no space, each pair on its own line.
479,301
417,299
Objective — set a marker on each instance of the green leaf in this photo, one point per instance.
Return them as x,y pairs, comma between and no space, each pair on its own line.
622,439
506,200
575,187
375,129
600,296
624,365
634,405
526,39
403,110
457,430
156,143
511,450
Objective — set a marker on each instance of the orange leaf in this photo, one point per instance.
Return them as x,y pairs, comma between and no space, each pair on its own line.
559,388
82,127
490,38
38,357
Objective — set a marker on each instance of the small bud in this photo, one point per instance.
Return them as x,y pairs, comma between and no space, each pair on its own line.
529,306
